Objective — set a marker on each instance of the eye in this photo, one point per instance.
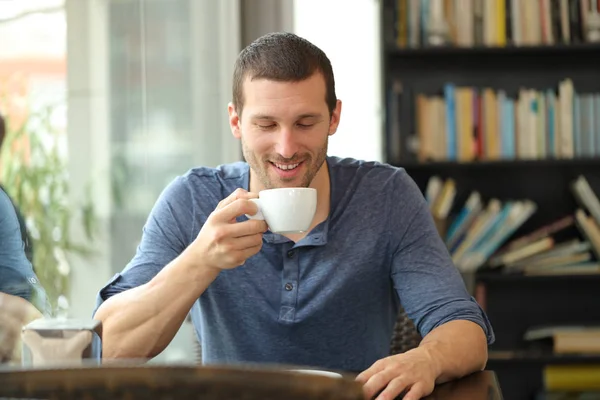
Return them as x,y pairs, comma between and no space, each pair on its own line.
305,126
265,127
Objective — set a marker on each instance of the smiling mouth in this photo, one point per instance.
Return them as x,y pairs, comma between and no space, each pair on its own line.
286,167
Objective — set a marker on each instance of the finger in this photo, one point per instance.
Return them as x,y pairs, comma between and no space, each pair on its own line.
247,242
416,392
364,376
237,194
249,252
235,209
378,382
247,228
393,389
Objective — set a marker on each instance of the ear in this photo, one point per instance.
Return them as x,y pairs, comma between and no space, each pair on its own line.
234,121
335,117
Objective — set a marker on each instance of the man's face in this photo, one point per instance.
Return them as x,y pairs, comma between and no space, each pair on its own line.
284,130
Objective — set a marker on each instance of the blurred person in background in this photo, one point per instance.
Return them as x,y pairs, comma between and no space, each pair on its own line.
22,298
27,241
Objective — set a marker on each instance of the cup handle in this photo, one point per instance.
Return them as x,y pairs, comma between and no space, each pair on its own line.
259,215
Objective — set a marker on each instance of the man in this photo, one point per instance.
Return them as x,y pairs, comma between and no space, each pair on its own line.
327,298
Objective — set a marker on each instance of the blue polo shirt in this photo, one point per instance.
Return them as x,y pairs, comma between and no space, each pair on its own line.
17,277
328,301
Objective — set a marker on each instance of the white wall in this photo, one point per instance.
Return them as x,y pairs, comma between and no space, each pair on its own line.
348,32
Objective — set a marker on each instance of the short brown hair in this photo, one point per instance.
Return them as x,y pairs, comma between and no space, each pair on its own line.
283,57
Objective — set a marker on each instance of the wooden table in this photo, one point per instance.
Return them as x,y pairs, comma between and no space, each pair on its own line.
209,383
478,386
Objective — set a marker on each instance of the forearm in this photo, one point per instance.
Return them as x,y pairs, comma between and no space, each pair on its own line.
141,322
15,313
456,349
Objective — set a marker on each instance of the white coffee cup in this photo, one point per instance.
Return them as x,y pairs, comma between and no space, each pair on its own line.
286,210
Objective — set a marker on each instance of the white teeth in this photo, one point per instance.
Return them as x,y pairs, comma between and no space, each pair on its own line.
286,167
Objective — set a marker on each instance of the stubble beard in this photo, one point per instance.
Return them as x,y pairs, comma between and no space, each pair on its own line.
262,167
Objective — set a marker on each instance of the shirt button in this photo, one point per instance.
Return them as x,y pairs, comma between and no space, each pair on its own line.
289,286
291,253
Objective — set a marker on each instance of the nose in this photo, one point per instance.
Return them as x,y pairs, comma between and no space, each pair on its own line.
286,145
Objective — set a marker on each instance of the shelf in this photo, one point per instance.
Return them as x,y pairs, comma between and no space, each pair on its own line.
574,162
543,358
498,276
443,51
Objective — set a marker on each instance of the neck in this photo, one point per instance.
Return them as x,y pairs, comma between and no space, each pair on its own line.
321,182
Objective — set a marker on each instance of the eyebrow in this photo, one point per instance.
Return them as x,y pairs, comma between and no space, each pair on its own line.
301,116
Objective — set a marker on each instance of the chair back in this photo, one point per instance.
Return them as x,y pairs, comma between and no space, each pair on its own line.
405,336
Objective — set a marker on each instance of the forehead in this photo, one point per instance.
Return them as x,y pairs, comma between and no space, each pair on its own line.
263,96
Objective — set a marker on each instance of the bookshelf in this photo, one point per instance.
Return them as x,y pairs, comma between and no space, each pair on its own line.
546,182
510,69
513,302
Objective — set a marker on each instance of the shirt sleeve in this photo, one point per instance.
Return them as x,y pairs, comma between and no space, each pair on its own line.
166,234
429,286
17,277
